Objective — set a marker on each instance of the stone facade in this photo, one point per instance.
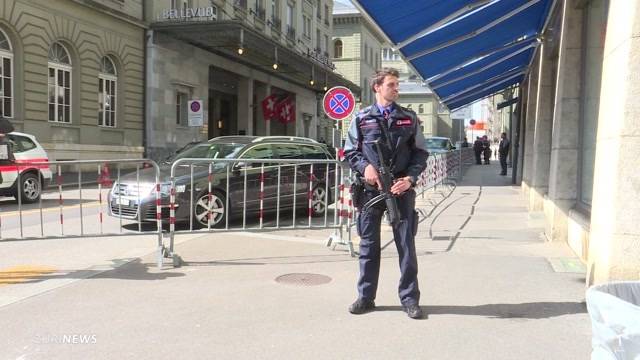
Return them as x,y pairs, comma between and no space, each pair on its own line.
594,72
87,31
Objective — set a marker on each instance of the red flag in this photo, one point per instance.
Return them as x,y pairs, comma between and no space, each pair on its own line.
269,106
286,111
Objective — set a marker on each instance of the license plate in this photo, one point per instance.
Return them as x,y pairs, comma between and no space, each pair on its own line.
123,202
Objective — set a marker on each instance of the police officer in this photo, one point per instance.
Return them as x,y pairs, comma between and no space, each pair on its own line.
399,127
503,150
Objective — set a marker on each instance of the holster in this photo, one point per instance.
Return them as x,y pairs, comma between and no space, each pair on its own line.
357,191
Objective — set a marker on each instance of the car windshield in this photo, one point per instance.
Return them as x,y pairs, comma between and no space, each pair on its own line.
437,143
210,151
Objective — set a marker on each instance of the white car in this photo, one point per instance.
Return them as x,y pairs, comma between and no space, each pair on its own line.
26,151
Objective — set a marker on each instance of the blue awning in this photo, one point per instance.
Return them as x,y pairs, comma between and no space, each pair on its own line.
465,50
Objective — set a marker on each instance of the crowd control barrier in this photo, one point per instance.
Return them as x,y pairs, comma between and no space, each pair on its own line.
209,195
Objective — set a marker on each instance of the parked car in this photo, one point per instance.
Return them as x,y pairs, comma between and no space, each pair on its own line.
131,201
26,151
438,144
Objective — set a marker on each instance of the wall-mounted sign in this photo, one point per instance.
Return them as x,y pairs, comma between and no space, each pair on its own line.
195,115
190,13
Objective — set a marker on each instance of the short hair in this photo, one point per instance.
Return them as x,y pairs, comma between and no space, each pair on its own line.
378,77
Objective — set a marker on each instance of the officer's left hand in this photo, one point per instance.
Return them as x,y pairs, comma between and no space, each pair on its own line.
401,185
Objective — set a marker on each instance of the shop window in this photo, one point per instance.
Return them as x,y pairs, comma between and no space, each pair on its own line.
107,90
594,29
59,84
6,76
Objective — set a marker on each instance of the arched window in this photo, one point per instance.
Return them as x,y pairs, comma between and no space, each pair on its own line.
107,85
6,76
337,49
421,109
59,84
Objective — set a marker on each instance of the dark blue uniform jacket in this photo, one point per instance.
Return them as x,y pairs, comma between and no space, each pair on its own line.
409,155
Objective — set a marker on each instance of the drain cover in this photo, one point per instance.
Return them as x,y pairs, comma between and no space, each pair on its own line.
301,279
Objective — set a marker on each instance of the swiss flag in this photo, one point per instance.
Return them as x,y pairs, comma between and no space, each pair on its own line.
286,111
269,106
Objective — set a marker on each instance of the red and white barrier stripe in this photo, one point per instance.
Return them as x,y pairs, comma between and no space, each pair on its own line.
210,196
60,201
100,216
310,194
261,194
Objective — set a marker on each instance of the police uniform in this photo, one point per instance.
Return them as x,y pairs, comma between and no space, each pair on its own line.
408,157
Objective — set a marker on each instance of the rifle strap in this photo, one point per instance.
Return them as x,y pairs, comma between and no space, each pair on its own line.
387,137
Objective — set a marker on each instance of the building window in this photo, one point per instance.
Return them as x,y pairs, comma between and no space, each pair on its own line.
594,27
318,41
6,76
326,14
390,55
181,108
421,109
107,89
366,53
306,21
289,16
319,10
337,48
326,43
275,9
59,84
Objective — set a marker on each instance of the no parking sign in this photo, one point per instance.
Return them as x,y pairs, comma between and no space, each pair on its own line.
339,103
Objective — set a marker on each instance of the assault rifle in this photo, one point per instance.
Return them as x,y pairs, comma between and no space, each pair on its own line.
386,178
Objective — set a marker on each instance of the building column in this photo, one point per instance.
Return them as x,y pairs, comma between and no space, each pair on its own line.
529,130
262,92
563,176
542,135
614,246
245,106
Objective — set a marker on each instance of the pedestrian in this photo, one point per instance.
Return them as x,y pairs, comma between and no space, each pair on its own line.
398,129
486,149
503,150
477,150
465,143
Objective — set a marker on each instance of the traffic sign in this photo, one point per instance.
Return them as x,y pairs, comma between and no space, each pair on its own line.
195,116
339,103
472,122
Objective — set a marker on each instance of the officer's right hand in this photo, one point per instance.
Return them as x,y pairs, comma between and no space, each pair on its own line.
371,176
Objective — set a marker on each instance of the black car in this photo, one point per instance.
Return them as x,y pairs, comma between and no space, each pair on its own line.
131,201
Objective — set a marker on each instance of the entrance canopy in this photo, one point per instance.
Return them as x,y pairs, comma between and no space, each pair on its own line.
465,50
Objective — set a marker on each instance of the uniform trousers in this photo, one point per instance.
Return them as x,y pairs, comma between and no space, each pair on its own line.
368,225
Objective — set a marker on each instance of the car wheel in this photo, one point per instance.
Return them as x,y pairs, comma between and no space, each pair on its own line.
318,200
202,209
30,188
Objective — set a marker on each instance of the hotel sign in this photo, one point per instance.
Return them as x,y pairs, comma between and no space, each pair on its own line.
187,13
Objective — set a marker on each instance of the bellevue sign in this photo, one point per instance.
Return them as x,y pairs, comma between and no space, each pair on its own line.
189,13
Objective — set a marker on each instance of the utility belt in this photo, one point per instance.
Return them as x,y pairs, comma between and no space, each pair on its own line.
361,191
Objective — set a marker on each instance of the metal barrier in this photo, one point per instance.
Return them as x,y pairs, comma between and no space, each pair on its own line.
236,188
209,193
23,170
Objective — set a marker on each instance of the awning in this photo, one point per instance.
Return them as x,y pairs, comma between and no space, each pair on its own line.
465,50
259,51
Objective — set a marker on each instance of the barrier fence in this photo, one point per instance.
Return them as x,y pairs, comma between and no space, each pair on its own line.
216,195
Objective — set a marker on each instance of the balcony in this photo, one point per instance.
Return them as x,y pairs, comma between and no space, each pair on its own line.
276,24
240,4
291,32
260,13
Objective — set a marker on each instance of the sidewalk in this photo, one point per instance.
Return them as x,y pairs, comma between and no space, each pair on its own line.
487,279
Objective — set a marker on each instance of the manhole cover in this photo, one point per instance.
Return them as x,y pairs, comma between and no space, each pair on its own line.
303,279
